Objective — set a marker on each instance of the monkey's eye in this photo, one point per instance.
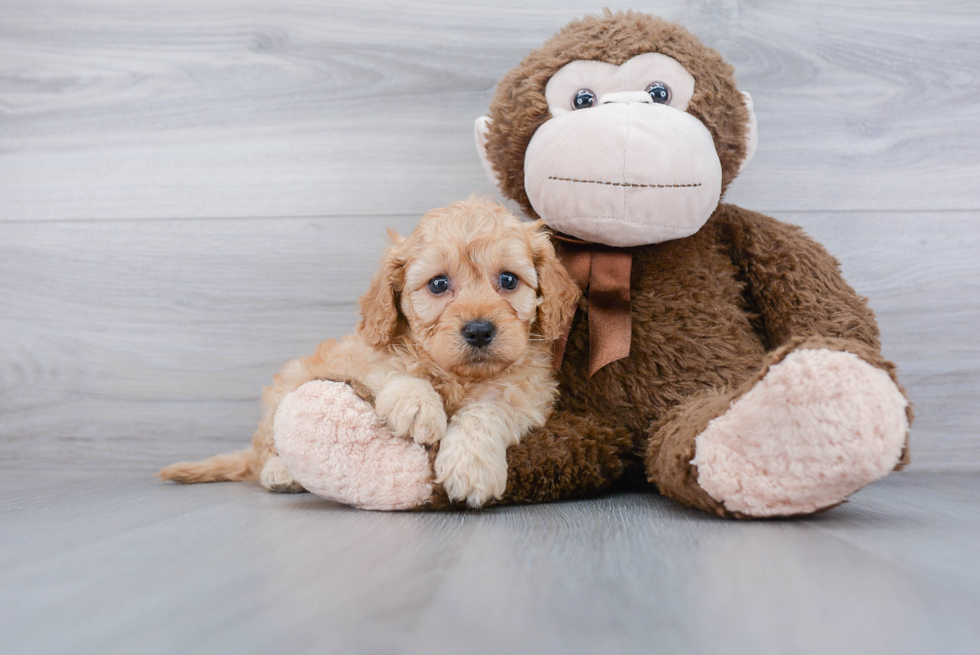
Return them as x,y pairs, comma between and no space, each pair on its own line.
659,93
508,281
439,284
584,98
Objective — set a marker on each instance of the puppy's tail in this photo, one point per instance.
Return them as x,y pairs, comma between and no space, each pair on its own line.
239,465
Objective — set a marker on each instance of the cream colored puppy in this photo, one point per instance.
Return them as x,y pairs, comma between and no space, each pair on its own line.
454,348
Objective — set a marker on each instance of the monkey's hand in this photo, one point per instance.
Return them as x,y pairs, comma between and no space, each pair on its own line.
411,407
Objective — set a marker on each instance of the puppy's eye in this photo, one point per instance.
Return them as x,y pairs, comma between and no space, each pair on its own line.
583,99
439,284
508,281
659,93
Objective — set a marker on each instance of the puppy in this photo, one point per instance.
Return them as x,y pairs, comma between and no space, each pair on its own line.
454,347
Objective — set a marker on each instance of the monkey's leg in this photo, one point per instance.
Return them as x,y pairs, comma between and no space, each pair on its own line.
822,418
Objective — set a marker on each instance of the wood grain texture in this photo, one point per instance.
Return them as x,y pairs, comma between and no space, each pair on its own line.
138,343
123,564
190,194
132,337
152,109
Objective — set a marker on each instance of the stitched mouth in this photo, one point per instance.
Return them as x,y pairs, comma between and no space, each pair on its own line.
629,184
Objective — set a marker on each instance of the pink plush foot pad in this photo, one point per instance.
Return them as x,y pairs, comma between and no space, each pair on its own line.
819,426
333,443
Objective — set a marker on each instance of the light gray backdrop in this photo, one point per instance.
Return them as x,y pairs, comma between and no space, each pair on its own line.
193,192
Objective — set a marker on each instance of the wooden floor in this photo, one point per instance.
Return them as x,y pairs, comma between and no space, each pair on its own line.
119,563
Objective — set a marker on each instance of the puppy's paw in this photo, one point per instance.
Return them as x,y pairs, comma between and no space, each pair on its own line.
277,479
412,408
471,469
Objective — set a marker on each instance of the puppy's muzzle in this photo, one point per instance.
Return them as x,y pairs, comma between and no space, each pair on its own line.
479,334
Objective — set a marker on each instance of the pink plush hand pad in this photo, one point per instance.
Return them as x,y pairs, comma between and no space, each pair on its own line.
333,444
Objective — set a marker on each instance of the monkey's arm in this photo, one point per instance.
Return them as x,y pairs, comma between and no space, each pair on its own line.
572,455
793,283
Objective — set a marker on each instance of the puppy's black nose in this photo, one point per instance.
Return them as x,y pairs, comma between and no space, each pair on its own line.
478,334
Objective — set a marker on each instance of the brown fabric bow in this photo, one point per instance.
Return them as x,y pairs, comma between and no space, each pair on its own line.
603,272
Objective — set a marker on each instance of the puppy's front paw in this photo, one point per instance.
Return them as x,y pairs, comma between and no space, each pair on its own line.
412,408
471,469
277,479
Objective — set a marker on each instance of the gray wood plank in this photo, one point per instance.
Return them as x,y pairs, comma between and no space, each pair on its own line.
133,565
148,109
901,520
46,515
138,343
922,276
126,330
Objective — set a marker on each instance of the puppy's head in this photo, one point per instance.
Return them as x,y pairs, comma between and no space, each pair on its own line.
472,286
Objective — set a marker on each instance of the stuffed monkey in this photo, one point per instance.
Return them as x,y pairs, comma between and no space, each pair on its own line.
717,356
736,369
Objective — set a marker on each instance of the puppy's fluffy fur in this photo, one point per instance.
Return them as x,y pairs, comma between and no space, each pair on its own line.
410,353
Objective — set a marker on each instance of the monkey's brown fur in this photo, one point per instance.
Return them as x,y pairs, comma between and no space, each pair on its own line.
711,312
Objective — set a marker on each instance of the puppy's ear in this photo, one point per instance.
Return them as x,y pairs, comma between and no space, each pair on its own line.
379,305
557,294
394,237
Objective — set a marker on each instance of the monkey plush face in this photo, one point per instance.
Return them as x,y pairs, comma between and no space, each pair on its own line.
622,130
620,159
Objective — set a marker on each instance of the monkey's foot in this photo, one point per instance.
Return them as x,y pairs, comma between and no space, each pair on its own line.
333,444
817,427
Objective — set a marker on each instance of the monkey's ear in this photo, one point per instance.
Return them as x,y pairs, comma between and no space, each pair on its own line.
751,134
379,304
480,130
558,295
